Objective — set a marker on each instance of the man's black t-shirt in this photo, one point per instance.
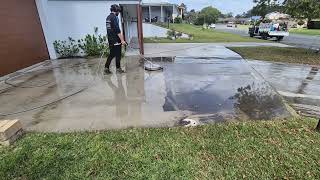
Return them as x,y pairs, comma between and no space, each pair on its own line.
113,29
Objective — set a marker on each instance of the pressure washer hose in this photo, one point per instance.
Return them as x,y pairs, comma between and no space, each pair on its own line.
59,99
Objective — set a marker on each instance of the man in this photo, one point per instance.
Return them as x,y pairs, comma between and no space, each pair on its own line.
115,39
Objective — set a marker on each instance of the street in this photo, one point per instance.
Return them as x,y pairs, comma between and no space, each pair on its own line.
303,41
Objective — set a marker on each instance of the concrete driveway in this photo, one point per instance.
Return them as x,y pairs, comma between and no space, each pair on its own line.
204,82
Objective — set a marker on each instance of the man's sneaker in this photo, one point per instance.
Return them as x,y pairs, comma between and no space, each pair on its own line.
120,70
107,71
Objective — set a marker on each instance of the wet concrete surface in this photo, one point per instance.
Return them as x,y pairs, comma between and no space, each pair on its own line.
299,84
73,94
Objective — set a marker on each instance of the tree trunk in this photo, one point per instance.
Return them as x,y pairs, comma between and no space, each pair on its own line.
309,25
318,126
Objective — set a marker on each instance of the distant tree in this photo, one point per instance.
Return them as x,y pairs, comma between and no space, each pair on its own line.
229,15
191,16
208,15
238,16
264,7
222,15
303,9
246,14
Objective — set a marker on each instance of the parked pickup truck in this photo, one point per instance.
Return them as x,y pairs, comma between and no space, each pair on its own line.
269,30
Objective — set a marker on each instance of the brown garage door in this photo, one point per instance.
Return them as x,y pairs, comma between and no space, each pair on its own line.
21,38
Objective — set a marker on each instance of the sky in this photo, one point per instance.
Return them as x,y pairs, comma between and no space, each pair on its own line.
225,6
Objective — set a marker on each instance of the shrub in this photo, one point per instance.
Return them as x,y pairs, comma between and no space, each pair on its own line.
190,37
178,20
301,22
93,45
171,34
66,49
179,34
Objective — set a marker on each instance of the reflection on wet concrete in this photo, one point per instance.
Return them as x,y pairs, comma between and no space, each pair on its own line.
258,101
299,84
204,89
219,89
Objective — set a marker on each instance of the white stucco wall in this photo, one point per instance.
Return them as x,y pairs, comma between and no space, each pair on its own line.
63,19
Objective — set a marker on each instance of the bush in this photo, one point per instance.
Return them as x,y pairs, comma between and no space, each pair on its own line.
66,49
314,25
178,34
190,37
301,22
93,45
178,20
171,34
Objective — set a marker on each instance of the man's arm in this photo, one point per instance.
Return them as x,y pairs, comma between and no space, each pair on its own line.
120,35
118,31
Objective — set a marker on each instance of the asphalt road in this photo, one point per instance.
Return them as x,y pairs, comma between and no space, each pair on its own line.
298,40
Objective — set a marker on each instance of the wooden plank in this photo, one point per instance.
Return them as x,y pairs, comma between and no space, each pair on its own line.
12,139
8,128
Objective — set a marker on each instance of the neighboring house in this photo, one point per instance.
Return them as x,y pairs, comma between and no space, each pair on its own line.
29,27
226,20
234,20
159,11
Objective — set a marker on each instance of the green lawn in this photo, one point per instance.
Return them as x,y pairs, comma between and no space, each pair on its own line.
201,36
287,149
311,32
277,54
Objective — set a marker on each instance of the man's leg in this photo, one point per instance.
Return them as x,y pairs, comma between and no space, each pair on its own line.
110,57
118,58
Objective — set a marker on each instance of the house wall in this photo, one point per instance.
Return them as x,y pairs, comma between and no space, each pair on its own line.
156,11
62,19
22,42
145,12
